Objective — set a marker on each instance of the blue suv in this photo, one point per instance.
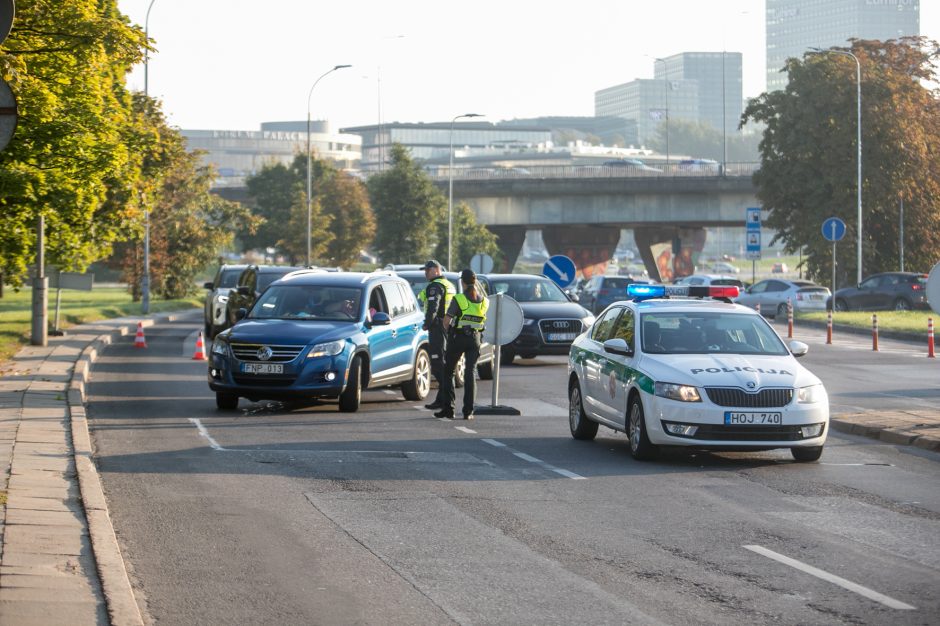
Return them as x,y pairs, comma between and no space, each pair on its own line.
314,334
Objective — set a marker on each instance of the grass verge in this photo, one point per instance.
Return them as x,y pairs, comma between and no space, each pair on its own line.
914,322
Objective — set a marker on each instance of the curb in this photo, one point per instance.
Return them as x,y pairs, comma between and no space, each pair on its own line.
888,435
116,587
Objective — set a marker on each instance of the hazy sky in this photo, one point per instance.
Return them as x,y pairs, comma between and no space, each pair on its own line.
232,64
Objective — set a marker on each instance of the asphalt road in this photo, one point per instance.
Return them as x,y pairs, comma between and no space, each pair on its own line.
288,514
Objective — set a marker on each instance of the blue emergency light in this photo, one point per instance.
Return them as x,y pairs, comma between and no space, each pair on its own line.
638,291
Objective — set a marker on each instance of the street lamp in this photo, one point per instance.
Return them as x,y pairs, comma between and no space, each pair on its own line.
450,192
666,92
309,205
145,279
858,141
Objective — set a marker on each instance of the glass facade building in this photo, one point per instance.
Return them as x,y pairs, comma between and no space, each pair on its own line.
648,101
795,26
719,77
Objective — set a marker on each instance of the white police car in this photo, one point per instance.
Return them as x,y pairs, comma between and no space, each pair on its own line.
702,373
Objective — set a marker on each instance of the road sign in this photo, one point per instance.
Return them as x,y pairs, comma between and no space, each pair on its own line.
752,239
833,229
503,320
933,289
7,114
752,218
481,263
560,269
7,11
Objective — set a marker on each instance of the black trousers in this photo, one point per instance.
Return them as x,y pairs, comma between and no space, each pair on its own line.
437,346
467,344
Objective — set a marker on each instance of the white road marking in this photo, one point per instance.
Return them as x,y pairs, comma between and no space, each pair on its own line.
532,459
493,442
568,474
205,434
526,457
836,580
464,429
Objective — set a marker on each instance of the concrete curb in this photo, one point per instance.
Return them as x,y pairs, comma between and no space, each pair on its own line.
898,436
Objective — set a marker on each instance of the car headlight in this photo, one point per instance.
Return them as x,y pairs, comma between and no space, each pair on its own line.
587,322
326,349
682,393
811,394
219,347
528,321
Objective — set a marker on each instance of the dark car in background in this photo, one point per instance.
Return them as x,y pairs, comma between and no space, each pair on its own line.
899,291
219,287
552,319
253,280
601,291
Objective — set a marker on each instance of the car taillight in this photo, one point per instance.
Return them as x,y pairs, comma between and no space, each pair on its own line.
916,287
603,292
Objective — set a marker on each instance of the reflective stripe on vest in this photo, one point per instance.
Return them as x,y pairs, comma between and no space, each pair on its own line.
472,314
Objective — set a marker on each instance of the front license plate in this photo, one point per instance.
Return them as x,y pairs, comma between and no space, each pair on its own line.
561,336
263,368
734,418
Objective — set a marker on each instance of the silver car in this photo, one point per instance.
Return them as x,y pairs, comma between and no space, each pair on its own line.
772,295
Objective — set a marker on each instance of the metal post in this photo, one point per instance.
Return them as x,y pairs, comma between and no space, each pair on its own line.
145,279
901,234
724,118
666,96
40,335
450,193
833,273
497,354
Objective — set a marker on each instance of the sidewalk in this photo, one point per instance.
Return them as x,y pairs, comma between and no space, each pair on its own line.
60,562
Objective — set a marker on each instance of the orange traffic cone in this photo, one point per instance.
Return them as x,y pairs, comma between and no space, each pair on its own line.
200,354
139,341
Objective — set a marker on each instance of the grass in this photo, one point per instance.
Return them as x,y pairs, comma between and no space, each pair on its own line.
76,307
900,321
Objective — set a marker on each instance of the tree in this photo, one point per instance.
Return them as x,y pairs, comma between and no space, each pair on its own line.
408,209
808,154
702,140
470,238
293,241
353,224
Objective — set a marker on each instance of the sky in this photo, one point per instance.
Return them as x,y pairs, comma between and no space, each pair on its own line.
232,64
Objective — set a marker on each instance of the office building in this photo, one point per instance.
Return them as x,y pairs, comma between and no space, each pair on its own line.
719,77
608,131
795,26
648,102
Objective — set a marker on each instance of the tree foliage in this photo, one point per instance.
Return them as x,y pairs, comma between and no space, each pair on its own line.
808,155
470,238
702,140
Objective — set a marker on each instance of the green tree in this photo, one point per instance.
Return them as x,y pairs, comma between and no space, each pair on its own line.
353,224
808,154
470,238
408,209
702,140
293,241
273,192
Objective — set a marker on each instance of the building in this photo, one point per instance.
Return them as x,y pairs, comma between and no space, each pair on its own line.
795,26
609,131
719,78
649,102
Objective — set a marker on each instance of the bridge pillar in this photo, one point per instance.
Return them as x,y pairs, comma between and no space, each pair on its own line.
669,252
510,240
590,247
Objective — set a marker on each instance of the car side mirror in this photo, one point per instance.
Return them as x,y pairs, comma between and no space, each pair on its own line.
798,348
617,346
208,285
573,297
380,318
241,314
243,290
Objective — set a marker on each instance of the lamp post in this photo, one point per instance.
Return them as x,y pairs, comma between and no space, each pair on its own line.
666,96
858,141
450,192
145,279
309,181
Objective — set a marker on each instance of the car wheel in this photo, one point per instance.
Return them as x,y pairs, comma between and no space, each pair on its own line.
506,356
640,447
209,333
806,455
420,384
226,401
581,426
485,370
781,311
841,305
459,372
902,305
351,396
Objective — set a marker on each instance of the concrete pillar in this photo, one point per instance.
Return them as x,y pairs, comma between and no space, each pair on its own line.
510,240
590,247
669,252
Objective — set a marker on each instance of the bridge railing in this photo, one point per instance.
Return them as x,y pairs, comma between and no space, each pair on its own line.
664,170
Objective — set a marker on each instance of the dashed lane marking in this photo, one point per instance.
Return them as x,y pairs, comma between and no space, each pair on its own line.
464,429
531,459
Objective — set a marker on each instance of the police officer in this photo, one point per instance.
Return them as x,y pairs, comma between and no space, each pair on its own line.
435,298
465,319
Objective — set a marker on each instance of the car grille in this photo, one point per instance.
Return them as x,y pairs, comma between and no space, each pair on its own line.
257,381
748,433
559,326
279,354
763,399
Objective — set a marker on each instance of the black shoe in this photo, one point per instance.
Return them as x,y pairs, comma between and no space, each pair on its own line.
434,406
446,413
468,416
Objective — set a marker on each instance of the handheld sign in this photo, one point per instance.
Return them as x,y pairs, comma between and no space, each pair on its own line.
933,288
560,270
833,229
481,263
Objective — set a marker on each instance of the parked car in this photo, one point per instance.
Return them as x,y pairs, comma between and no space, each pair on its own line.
417,280
552,320
772,295
723,267
779,268
710,279
900,291
226,277
323,335
253,280
599,292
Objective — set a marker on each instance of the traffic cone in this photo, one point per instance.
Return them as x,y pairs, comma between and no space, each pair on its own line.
139,341
200,354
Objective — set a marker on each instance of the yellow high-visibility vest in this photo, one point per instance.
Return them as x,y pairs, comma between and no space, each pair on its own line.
449,291
472,314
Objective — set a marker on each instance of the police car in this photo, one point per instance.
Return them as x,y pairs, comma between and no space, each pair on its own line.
684,366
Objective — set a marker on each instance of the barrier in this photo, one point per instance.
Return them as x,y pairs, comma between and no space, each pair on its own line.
829,328
139,340
930,353
789,319
874,331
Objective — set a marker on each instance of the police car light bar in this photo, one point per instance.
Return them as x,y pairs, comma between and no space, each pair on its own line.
644,292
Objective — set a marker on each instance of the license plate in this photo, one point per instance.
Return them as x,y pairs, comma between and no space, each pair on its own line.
815,297
734,418
561,336
263,368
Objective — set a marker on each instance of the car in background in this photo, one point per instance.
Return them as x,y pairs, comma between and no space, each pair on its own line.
723,267
634,164
772,295
401,267
551,319
600,291
711,279
705,166
226,277
899,291
779,268
252,282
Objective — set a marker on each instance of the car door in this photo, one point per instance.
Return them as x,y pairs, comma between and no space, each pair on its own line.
752,296
618,372
867,297
595,360
381,338
886,293
407,322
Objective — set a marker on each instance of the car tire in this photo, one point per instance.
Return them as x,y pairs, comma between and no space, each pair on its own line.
640,447
781,311
351,396
459,371
209,333
806,455
485,370
582,428
902,305
506,356
841,305
420,384
226,401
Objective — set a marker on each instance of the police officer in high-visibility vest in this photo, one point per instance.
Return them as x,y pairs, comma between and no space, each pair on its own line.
435,298
465,320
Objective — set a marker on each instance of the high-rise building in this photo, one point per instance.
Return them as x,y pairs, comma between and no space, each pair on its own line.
794,26
720,90
650,102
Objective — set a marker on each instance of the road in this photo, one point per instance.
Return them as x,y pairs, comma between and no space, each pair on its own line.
289,514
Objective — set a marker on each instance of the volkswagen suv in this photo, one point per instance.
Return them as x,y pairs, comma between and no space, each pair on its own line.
315,334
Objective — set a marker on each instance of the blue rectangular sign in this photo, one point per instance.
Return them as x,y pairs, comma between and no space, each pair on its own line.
752,218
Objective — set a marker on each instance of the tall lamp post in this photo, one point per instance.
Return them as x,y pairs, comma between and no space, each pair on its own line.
666,95
858,141
309,179
145,279
450,192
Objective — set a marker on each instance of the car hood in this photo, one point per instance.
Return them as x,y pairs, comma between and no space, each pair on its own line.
542,310
729,370
288,332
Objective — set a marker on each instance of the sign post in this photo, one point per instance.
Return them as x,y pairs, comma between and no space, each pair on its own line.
833,229
507,318
752,238
560,270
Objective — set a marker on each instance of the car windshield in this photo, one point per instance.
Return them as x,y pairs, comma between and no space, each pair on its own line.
529,289
267,278
229,278
313,302
710,332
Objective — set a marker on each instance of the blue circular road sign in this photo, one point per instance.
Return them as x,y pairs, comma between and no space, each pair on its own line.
833,229
560,269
